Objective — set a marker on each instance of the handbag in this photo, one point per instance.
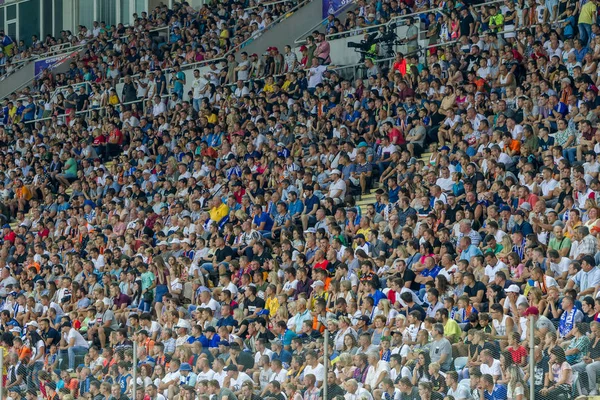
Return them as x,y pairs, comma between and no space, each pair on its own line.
148,296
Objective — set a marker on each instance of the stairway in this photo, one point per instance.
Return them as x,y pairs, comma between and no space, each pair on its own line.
370,198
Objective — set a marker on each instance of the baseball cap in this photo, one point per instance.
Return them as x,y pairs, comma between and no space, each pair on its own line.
525,206
531,311
317,283
513,289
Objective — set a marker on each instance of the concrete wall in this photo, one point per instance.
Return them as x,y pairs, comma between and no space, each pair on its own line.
17,80
285,32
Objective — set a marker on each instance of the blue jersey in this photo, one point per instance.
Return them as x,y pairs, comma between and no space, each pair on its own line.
123,382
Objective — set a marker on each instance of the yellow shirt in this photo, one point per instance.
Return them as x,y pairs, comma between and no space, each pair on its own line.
212,118
113,100
5,358
217,214
272,305
452,331
223,36
268,88
12,114
365,232
588,13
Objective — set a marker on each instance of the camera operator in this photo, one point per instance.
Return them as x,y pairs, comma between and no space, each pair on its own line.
412,35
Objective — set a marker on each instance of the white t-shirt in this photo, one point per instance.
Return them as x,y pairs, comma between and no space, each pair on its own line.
335,186
258,355
494,370
206,376
491,271
79,340
236,384
290,285
315,75
548,187
198,85
561,267
374,372
318,372
158,109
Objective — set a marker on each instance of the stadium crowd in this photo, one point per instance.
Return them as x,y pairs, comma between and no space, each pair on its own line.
227,230
193,36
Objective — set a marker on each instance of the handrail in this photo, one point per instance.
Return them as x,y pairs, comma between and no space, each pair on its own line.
271,3
358,31
318,24
89,110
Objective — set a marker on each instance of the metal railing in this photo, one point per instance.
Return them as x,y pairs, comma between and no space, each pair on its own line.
372,28
271,3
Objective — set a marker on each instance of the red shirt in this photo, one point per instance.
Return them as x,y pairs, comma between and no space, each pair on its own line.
396,137
11,236
238,195
322,265
98,140
517,353
116,137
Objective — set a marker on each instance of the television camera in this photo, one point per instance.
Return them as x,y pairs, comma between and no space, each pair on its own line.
385,41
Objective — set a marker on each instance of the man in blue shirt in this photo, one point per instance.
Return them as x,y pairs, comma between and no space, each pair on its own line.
296,207
375,293
521,225
469,250
279,353
491,391
29,110
311,205
284,334
262,221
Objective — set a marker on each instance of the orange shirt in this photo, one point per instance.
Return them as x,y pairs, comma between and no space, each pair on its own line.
24,353
73,386
515,145
23,193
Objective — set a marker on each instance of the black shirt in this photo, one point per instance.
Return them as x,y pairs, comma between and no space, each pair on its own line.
222,254
267,335
52,333
246,360
465,29
81,98
333,391
418,308
472,292
595,349
410,276
252,305
437,118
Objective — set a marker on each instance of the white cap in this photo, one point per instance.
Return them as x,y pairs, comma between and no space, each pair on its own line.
525,206
513,289
335,171
317,283
183,323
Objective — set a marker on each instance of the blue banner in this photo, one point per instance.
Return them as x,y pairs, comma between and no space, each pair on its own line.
333,6
50,63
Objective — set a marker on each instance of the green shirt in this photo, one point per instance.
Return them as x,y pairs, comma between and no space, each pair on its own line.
71,166
564,243
147,279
